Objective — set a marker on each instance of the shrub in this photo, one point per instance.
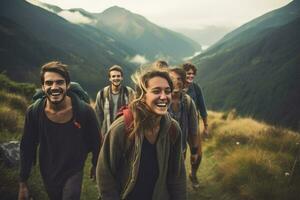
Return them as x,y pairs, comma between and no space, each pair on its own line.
25,89
8,120
255,174
279,140
230,115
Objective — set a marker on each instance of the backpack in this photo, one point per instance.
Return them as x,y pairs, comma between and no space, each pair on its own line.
77,94
187,100
128,121
105,93
74,88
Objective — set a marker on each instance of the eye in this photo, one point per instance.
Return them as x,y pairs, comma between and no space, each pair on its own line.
168,91
60,82
48,83
155,91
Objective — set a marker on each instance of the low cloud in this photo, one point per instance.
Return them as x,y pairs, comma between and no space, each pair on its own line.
139,59
191,57
39,4
75,17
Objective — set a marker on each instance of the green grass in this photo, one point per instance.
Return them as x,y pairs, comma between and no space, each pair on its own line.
242,159
247,160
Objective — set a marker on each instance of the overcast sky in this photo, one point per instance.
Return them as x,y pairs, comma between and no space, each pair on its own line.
184,13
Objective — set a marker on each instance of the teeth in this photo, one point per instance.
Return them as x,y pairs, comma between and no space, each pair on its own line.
161,104
55,94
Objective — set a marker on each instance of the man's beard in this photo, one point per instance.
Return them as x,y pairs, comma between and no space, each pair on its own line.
49,93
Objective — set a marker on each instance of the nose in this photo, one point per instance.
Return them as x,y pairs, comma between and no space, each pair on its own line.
55,85
163,95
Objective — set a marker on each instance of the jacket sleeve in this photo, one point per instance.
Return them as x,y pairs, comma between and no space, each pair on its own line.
193,119
108,162
200,101
94,135
193,135
28,145
176,173
99,109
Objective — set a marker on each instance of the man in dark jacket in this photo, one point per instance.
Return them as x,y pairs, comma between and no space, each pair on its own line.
66,130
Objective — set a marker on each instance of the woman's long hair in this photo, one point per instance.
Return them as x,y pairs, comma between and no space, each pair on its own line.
144,118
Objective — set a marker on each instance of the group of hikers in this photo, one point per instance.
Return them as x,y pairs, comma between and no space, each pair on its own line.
138,137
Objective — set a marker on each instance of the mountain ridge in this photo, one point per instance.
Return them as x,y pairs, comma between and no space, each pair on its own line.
255,72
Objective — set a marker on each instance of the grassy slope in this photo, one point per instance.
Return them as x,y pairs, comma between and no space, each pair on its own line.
243,159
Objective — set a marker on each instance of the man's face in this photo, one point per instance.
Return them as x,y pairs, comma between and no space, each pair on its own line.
190,75
158,95
177,81
55,87
115,77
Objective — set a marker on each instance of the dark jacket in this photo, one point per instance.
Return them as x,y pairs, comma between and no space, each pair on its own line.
195,92
80,140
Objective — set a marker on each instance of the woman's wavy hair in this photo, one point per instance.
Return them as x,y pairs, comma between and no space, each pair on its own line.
144,118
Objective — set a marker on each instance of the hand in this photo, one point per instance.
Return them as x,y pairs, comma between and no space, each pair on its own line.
205,132
93,173
23,191
194,158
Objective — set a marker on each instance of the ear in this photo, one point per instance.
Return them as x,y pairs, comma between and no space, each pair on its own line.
68,86
43,88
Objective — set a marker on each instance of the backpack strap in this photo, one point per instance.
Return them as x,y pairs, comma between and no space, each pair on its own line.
172,133
128,118
188,101
104,95
79,91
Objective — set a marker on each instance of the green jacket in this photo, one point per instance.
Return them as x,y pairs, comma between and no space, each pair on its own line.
118,163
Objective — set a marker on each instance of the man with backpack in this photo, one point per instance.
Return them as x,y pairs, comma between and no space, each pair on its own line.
111,98
183,110
66,130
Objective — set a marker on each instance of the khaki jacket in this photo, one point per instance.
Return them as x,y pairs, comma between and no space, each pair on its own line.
118,163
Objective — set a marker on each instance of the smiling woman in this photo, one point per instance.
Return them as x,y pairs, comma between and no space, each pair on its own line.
147,161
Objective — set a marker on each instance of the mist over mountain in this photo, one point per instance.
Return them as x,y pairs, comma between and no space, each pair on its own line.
255,68
31,36
144,36
89,43
135,31
205,36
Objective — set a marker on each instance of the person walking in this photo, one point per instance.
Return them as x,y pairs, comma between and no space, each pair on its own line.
144,160
111,98
65,128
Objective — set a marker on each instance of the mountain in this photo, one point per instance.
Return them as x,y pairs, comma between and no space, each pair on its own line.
31,36
138,33
205,36
274,18
255,69
149,39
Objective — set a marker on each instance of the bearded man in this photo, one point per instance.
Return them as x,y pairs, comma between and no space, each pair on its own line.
65,128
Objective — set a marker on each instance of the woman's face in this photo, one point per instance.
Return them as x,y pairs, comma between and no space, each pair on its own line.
177,81
190,75
158,95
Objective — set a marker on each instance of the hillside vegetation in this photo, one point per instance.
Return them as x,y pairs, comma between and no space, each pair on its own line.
246,159
255,69
31,36
242,159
